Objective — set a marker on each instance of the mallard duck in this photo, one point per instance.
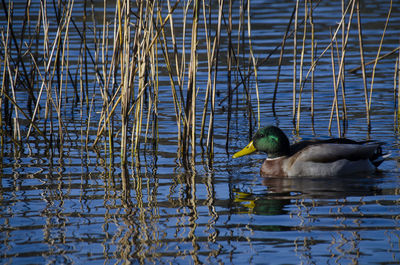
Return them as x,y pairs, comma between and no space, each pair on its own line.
330,158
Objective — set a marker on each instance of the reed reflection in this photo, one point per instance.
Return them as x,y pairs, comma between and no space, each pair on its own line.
313,205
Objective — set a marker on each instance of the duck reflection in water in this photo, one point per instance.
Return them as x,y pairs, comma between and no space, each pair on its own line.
280,191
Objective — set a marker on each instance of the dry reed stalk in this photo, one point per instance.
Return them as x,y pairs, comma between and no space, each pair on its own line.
47,57
180,70
142,40
16,125
63,57
312,67
355,69
240,33
17,107
178,98
229,75
343,52
19,62
396,94
153,99
145,55
335,106
54,99
98,50
364,76
124,42
210,135
397,88
252,57
341,66
312,57
301,66
4,90
377,55
295,61
210,61
176,101
84,78
110,79
240,58
14,122
335,103
243,79
282,45
342,58
3,84
190,108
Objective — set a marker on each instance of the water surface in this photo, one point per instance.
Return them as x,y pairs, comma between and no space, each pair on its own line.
69,205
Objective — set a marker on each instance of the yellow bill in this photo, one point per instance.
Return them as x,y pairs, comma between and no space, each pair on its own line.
245,151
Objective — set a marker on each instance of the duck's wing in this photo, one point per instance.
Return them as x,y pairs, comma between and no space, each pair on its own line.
331,152
294,148
331,160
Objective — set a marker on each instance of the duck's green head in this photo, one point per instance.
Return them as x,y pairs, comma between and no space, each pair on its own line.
271,140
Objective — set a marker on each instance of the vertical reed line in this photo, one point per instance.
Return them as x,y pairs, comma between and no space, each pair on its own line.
229,74
81,95
64,59
344,44
13,122
12,81
30,77
84,54
240,33
295,60
101,51
377,55
124,42
364,76
176,101
301,66
254,63
46,82
327,47
35,66
154,69
395,95
57,86
20,62
335,106
282,45
397,73
143,45
210,62
343,55
312,57
240,63
210,142
3,81
110,101
100,81
180,69
190,111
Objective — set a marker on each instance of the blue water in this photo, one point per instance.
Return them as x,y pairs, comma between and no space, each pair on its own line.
70,206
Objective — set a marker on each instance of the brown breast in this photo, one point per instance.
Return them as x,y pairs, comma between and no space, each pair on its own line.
273,167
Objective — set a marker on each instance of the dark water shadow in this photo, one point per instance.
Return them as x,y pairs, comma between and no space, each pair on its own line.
321,187
280,191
